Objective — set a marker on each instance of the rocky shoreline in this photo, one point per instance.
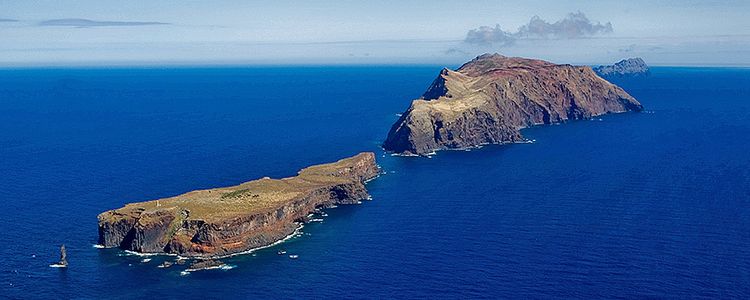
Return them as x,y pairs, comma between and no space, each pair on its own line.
486,101
225,221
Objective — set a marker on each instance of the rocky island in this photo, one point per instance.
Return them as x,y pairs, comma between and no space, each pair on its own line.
223,221
489,99
631,67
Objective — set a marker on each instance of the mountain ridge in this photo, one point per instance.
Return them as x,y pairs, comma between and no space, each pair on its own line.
490,98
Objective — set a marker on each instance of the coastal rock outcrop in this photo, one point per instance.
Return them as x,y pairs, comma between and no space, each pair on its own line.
489,99
223,221
631,67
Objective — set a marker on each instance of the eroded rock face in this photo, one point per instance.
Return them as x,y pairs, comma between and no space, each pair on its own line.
489,99
631,67
222,221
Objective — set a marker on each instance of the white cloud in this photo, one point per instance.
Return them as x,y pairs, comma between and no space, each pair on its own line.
574,25
82,23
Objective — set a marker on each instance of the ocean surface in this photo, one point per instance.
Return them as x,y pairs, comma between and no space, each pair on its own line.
652,204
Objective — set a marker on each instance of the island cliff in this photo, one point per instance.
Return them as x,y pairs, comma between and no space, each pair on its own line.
223,221
631,67
489,99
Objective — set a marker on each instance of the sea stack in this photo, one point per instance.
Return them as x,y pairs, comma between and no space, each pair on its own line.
489,99
63,256
631,67
223,221
63,262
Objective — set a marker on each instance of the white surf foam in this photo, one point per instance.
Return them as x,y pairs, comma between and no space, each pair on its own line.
133,253
223,267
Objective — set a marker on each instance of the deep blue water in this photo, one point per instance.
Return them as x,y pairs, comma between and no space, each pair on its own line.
653,204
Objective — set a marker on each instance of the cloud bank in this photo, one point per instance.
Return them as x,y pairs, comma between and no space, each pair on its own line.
490,35
573,26
7,20
92,23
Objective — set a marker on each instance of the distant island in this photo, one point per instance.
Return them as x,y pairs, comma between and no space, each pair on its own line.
631,67
489,99
223,221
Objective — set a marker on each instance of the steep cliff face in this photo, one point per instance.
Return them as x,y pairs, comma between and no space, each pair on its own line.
631,67
489,99
224,221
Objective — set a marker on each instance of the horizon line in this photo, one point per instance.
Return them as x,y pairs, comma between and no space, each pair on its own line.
187,63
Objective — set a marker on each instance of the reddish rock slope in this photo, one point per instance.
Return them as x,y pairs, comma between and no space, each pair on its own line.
489,99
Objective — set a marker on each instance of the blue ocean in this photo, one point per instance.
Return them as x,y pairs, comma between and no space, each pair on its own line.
636,205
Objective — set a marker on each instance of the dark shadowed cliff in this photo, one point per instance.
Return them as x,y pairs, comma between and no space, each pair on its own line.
631,67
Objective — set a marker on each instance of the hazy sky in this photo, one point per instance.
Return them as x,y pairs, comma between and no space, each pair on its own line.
667,32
